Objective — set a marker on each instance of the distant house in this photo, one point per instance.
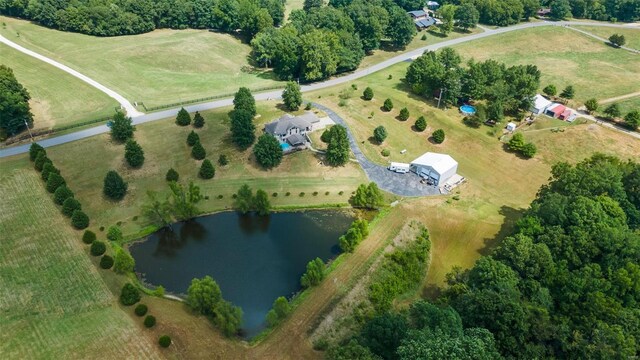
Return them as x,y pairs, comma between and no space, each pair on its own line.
292,129
421,19
543,12
432,5
540,104
436,168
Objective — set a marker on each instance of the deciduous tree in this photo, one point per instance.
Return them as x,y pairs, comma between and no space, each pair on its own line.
15,111
591,105
368,196
314,274
292,96
467,16
244,199
617,40
632,119
550,90
261,203
268,151
613,111
124,262
379,134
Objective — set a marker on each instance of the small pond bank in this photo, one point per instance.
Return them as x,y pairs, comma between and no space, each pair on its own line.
253,259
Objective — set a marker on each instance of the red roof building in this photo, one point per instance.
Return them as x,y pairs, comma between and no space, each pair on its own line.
556,110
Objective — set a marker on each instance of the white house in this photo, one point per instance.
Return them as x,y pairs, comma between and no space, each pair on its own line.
540,104
292,129
435,167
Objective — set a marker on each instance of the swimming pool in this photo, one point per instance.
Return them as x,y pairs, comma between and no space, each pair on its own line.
467,109
285,146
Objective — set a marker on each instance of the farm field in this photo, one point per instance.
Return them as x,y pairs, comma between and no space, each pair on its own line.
53,92
53,299
631,35
500,184
595,69
160,67
164,144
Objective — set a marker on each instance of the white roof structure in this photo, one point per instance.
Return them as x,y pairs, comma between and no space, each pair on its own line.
438,162
539,102
399,165
511,126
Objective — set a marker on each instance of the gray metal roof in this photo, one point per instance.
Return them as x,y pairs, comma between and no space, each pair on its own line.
425,23
287,121
296,139
417,13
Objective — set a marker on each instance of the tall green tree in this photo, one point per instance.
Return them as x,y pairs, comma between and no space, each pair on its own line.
207,171
15,112
34,150
568,92
467,16
617,40
292,96
242,128
550,90
244,199
447,14
198,120
591,105
244,100
184,201
632,119
314,274
261,203
338,149
121,127
123,262
157,211
380,134
183,118
308,5
560,9
613,111
268,151
133,153
402,29
368,196
114,187
203,295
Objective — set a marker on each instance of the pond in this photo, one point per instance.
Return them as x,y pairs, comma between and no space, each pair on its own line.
253,259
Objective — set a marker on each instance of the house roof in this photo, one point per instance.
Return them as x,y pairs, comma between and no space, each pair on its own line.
441,163
557,109
539,102
296,139
425,23
288,121
417,13
432,3
566,113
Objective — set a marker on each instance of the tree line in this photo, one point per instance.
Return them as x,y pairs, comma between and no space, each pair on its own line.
15,112
564,284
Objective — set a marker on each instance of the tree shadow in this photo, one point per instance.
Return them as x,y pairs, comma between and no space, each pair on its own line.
431,292
373,141
511,216
506,148
436,33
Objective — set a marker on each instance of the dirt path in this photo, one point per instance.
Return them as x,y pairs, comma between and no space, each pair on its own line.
618,98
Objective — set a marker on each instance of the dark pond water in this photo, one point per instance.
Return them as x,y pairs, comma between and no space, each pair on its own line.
253,259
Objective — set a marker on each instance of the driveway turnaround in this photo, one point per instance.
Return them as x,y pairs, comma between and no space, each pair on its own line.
399,184
140,118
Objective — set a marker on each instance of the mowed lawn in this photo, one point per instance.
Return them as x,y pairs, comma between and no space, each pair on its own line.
565,57
500,185
84,164
53,301
57,98
626,105
632,36
160,67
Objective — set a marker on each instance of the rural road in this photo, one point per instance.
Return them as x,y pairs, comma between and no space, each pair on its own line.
139,118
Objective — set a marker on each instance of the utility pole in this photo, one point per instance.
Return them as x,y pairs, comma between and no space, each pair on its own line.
27,125
440,97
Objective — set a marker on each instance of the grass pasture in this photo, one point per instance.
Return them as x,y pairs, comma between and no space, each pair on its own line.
626,105
160,67
595,69
54,302
54,92
631,35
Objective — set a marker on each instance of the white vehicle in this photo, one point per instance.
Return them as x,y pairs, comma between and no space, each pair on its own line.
400,168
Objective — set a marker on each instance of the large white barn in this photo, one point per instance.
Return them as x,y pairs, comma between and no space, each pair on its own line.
435,167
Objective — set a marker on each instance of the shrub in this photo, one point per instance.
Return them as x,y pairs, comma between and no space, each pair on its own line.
141,310
287,194
326,136
114,233
61,194
41,158
612,111
632,119
550,90
388,105
98,248
222,160
172,175
133,154
341,192
220,196
192,138
159,291
197,151
48,168
198,120
591,105
124,263
131,295
302,194
101,228
315,193
164,341
54,182
207,171
367,94
275,194
617,40
308,106
88,237
326,193
34,150
79,220
424,37
114,187
385,152
380,134
149,321
529,150
69,206
421,123
404,114
106,262
438,136
183,118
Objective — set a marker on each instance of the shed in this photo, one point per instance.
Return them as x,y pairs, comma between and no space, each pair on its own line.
555,110
540,104
566,114
511,126
417,14
438,168
432,5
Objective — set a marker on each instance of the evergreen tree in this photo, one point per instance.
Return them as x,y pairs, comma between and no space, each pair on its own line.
192,138
550,90
529,150
388,105
61,194
121,127
197,151
34,150
54,181
222,160
338,149
268,151
612,111
15,111
115,188
79,220
568,93
242,128
133,154
516,143
207,171
244,199
404,114
47,169
617,40
379,134
172,175
198,120
183,118
261,203
438,136
292,96
41,159
69,206
421,124
243,100
367,94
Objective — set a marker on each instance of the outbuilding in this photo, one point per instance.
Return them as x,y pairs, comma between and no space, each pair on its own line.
401,168
555,110
540,104
435,168
511,126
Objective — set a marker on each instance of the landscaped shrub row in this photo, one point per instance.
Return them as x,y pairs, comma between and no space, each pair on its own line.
56,185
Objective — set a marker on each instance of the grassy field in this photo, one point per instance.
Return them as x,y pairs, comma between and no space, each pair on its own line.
54,302
163,66
595,70
165,146
53,92
292,5
626,105
631,35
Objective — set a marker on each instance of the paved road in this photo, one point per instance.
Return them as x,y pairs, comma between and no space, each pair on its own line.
399,184
124,103
139,118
